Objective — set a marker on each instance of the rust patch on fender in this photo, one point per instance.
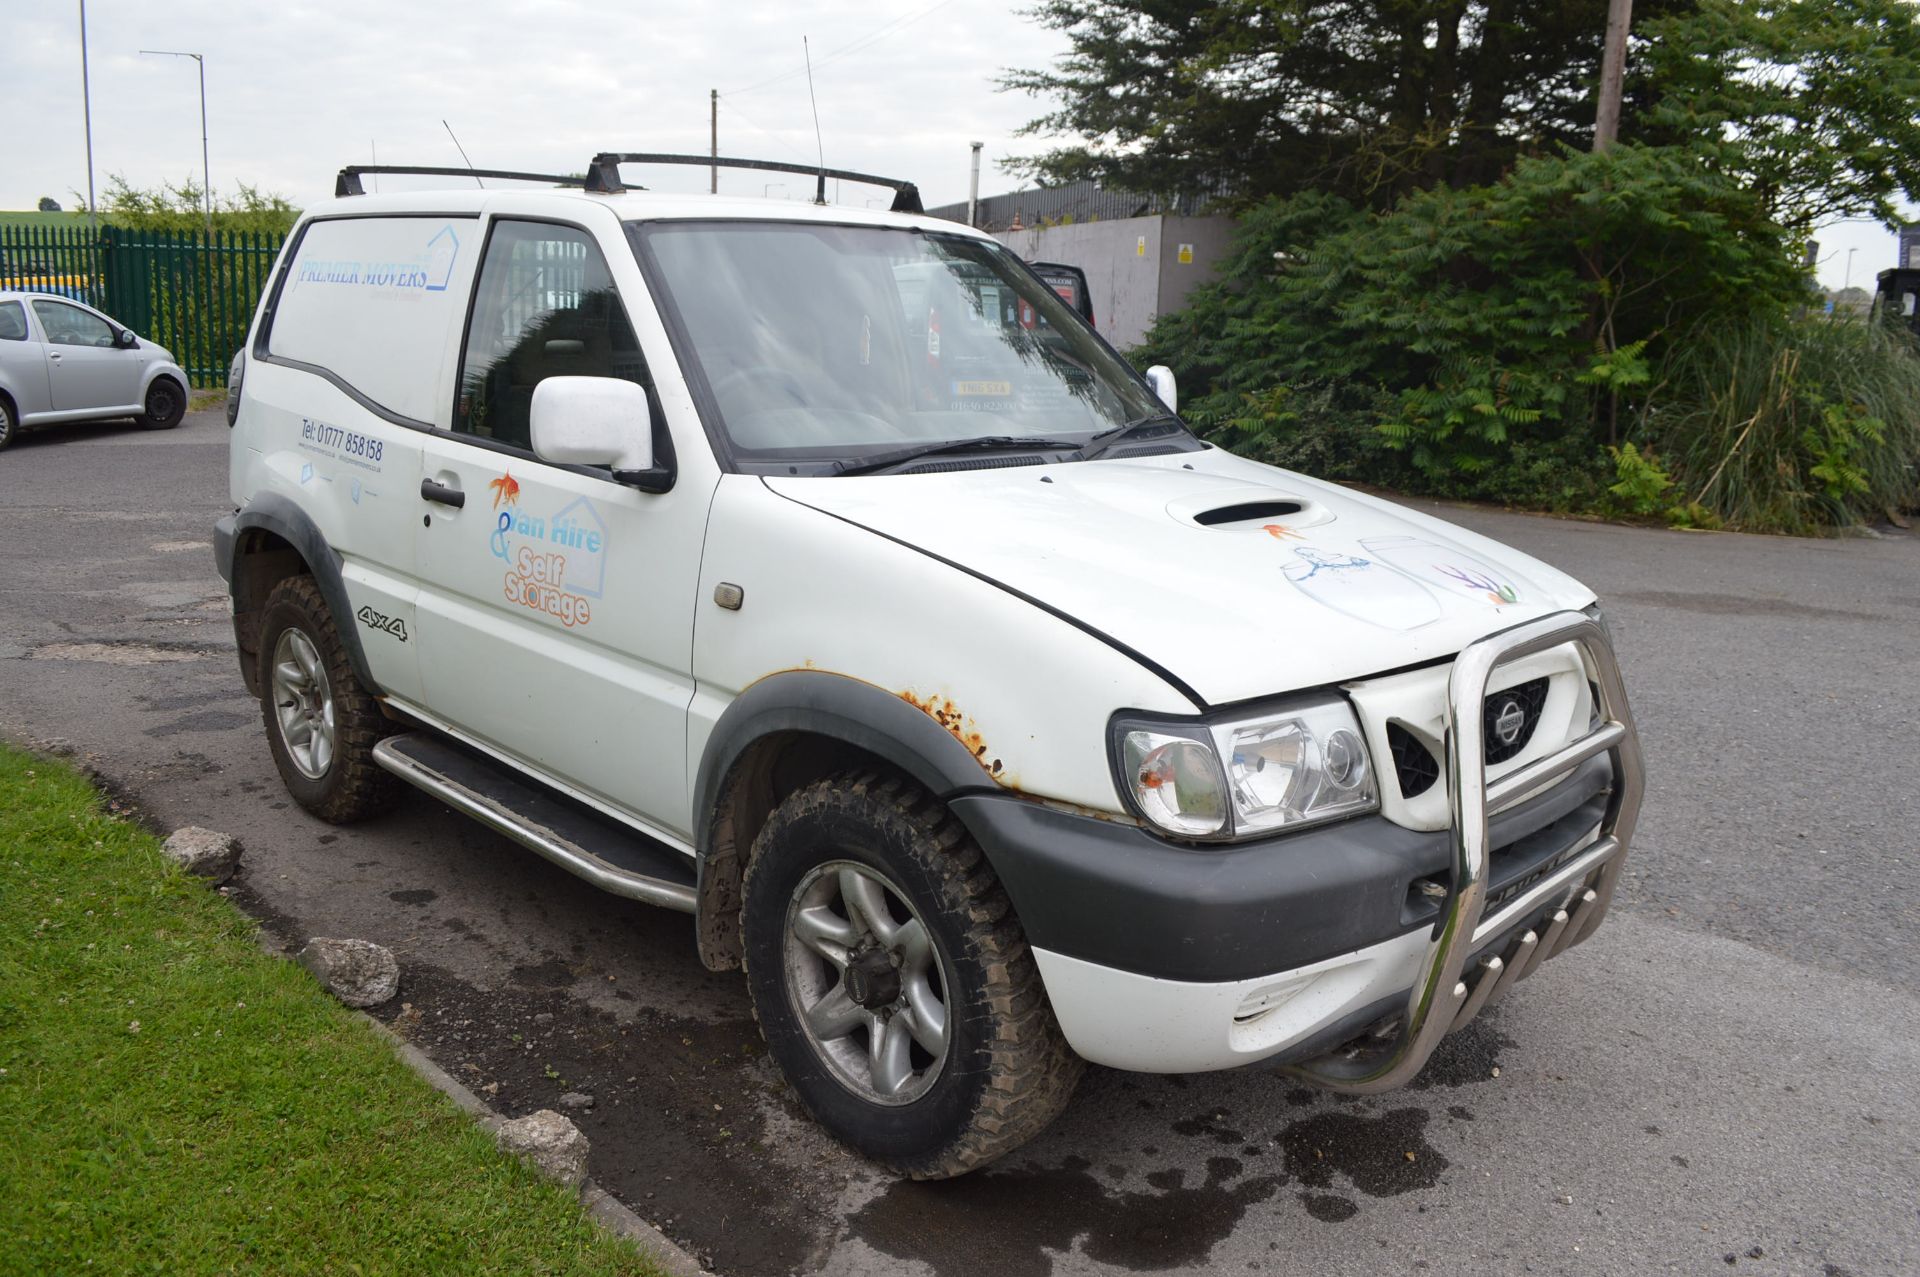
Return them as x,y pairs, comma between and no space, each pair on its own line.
961,728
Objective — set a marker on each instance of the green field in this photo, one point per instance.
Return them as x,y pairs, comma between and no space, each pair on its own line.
43,220
176,1100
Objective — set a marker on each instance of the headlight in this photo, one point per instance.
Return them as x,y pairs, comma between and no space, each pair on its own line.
1176,783
1237,778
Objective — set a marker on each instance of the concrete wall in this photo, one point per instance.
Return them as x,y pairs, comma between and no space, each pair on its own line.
1209,238
1133,264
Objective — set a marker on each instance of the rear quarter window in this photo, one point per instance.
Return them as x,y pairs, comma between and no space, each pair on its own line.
13,321
374,300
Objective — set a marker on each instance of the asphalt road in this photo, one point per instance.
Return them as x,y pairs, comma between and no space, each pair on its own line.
1724,1076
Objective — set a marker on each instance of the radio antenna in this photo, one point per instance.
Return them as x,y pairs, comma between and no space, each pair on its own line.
820,187
463,154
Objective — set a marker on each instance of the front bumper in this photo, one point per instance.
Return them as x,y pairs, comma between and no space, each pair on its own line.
1164,959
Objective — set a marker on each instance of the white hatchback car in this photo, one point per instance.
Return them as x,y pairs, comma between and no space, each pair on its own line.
63,361
828,577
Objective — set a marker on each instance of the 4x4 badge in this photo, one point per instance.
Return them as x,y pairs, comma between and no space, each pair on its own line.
391,624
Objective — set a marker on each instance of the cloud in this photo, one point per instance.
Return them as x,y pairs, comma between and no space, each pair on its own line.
297,89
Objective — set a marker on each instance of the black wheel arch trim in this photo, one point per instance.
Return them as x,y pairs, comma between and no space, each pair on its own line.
841,708
271,512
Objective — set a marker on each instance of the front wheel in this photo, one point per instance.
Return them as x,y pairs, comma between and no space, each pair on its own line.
892,982
321,724
166,405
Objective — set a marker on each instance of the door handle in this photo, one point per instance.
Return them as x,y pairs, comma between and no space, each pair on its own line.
54,355
440,492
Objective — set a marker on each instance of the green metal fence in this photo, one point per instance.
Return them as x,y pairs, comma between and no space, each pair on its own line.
191,291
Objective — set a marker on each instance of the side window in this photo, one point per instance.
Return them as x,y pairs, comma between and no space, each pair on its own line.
545,306
370,301
70,326
13,321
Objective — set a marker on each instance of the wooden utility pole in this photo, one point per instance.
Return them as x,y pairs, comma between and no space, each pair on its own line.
713,120
1613,69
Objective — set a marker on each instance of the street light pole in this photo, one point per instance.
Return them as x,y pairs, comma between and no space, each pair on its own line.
1848,283
206,170
86,106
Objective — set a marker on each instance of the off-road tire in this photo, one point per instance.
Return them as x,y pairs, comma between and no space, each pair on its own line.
1009,1071
353,787
166,404
9,424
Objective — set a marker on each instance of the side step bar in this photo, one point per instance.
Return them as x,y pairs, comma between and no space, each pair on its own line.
615,859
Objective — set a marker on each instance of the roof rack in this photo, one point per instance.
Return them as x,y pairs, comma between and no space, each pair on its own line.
603,175
348,182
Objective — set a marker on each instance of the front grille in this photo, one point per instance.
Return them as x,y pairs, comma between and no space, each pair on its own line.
1413,765
1531,697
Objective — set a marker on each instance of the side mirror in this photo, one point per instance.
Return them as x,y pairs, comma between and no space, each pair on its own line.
1160,377
592,421
125,339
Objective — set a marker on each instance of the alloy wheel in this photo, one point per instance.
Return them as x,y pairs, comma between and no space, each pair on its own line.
303,704
868,982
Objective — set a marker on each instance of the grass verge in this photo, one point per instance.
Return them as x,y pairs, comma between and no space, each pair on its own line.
175,1100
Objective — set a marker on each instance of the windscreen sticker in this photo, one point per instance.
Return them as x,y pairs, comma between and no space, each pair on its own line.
1361,588
1449,568
555,565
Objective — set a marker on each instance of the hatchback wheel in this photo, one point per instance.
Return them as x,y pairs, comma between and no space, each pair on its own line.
166,405
892,982
8,426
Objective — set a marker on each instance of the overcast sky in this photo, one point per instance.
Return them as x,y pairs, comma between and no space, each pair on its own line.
295,89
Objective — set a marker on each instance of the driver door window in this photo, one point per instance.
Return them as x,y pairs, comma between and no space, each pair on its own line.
545,306
70,326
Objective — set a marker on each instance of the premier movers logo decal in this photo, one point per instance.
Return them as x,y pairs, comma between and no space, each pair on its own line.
428,270
556,565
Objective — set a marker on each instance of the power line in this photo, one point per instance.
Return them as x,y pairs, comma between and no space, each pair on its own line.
852,46
734,108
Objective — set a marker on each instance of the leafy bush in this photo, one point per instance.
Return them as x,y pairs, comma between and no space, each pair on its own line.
1492,337
1790,425
168,207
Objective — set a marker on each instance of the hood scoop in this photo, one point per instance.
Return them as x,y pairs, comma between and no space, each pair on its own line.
1248,512
1243,508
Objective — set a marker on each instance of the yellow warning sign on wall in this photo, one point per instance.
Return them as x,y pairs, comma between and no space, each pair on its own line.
1186,254
1140,248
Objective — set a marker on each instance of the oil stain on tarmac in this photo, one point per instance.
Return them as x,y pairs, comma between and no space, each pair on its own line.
1016,1222
1012,1222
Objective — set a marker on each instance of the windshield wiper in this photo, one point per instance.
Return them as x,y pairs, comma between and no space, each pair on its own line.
984,443
1101,442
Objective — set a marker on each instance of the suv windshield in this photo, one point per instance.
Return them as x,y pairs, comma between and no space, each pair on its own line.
839,345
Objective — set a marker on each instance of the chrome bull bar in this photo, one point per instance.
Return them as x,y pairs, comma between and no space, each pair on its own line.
1441,1000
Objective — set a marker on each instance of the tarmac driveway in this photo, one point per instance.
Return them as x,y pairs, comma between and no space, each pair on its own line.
1725,1076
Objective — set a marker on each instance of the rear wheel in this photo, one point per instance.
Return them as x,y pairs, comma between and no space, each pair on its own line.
892,982
166,404
321,724
9,427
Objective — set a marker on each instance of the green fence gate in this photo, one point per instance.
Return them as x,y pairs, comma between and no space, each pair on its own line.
191,291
